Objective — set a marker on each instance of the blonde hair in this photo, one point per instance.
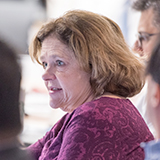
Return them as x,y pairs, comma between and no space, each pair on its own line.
100,48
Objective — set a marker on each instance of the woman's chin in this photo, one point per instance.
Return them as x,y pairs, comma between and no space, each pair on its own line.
53,105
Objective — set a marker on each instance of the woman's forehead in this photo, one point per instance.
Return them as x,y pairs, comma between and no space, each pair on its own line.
53,47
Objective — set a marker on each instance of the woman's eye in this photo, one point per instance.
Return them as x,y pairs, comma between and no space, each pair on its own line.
59,63
44,64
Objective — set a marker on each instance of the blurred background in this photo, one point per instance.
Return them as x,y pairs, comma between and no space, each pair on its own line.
20,20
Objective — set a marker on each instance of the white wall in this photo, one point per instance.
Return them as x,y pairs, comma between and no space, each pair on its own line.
109,8
114,9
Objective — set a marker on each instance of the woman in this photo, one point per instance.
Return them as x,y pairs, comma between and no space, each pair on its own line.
89,72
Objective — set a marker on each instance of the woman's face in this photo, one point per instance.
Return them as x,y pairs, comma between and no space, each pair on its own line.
68,85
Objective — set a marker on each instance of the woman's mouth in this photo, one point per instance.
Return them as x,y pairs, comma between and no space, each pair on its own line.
54,89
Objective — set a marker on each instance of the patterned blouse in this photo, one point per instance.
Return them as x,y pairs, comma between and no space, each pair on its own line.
103,129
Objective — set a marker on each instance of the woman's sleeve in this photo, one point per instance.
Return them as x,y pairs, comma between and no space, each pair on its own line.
36,148
83,138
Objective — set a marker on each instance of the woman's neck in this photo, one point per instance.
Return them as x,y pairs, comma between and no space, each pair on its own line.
107,94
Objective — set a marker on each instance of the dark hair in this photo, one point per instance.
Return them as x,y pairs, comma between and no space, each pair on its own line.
153,67
10,77
100,48
142,5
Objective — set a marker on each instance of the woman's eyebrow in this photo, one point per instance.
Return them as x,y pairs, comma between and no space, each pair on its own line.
42,57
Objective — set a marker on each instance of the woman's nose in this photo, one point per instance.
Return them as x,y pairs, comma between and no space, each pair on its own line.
48,75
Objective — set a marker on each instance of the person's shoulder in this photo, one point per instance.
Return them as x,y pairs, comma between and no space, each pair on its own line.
106,108
99,113
94,108
15,153
87,108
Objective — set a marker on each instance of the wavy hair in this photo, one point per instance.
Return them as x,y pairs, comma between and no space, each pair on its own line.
100,48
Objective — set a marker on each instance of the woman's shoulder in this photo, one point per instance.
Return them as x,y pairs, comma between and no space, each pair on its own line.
110,110
97,109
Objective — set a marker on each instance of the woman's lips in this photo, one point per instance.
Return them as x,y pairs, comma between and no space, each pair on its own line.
54,89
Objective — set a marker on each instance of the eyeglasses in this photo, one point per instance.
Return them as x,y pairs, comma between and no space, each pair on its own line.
144,37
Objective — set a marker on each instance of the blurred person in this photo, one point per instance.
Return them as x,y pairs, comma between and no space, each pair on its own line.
152,149
147,36
89,72
10,115
148,27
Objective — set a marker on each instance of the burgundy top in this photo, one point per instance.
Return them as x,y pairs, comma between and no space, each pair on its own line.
103,129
